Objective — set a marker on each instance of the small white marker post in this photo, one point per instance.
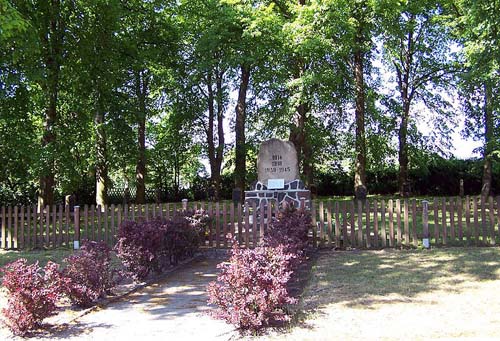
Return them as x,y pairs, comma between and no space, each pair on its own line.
425,222
76,242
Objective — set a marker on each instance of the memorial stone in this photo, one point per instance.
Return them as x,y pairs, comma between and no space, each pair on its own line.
278,176
277,159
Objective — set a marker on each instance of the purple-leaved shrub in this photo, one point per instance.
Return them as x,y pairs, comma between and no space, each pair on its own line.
33,294
140,246
290,229
149,246
90,273
251,289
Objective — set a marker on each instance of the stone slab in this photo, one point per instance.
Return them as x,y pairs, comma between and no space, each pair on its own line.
277,159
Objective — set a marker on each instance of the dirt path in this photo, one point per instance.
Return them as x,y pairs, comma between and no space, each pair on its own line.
174,308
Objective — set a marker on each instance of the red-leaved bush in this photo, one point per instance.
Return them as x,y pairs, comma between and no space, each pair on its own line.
33,294
290,229
251,289
90,273
140,246
147,246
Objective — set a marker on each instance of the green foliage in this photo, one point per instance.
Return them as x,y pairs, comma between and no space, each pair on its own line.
121,64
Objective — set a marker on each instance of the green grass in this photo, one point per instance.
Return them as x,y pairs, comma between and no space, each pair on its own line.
42,256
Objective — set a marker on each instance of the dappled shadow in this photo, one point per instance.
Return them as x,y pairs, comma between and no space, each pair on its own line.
363,278
180,293
170,304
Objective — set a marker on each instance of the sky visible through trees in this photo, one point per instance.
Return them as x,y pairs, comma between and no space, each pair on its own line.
173,97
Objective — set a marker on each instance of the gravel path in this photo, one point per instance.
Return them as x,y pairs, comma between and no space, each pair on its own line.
173,308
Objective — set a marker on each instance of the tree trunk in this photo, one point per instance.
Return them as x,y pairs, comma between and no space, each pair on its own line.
215,148
101,168
140,170
51,41
488,142
360,189
240,168
406,98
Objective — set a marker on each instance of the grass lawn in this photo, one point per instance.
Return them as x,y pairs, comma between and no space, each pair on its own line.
418,294
43,256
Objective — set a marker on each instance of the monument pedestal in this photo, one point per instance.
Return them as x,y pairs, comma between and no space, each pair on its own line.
291,194
278,174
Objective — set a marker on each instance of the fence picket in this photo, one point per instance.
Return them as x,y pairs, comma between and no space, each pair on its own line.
436,221
399,236
4,229
321,212
375,224
452,219
459,219
492,220
113,226
337,221
20,242
353,232
391,223
255,237
315,227
383,226
231,221
16,221
329,224
217,225
359,236
468,228
476,221
406,223
9,227
240,224
345,239
261,221
444,224
367,224
414,223
484,229
224,224
210,225
247,224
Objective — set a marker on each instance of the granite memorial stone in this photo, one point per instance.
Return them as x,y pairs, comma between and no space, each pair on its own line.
277,159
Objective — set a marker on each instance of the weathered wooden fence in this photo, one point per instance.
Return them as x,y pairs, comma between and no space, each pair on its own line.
343,224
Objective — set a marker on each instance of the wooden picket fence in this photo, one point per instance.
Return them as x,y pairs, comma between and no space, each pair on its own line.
370,224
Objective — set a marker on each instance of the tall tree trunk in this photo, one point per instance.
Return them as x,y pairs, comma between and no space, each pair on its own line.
360,189
142,83
488,141
215,144
298,133
403,75
220,134
51,41
240,168
101,171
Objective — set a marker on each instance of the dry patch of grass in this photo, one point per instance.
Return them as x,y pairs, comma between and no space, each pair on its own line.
440,293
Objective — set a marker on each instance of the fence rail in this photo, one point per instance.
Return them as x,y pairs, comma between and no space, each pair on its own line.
369,224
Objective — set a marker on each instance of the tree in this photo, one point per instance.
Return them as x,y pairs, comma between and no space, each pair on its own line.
476,26
417,49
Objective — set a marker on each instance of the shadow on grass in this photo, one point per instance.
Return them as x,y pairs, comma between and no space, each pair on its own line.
366,279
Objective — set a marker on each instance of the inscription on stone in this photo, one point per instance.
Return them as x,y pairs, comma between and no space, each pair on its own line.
277,159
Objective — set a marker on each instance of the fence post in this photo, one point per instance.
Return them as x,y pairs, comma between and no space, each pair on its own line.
425,221
184,204
302,203
76,241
